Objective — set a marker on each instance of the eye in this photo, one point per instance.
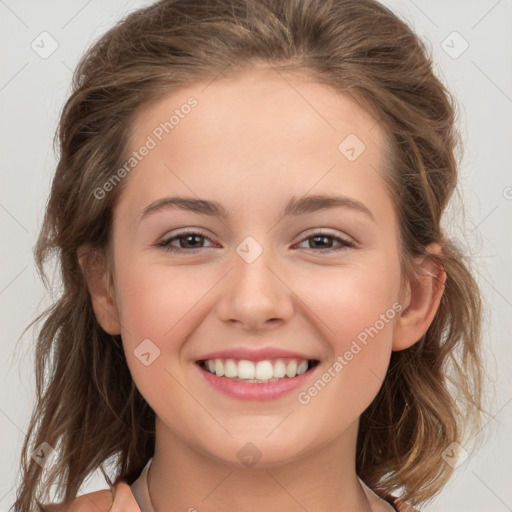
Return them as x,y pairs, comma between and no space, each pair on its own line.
188,241
325,240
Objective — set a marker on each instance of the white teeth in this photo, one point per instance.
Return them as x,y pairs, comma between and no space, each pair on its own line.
303,366
279,369
246,369
291,368
219,368
264,370
230,368
261,371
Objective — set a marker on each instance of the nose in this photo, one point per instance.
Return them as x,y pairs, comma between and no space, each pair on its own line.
255,295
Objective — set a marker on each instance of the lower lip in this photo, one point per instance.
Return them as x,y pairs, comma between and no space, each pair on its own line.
253,390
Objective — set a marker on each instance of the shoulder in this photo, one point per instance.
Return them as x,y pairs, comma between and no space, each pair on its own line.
98,501
118,499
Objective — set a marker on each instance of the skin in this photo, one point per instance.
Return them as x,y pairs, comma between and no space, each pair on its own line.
253,141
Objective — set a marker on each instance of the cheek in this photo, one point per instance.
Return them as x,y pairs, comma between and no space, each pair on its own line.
157,302
356,311
360,344
351,301
365,314
159,306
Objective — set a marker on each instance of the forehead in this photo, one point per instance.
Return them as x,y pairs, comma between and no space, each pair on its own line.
235,136
242,105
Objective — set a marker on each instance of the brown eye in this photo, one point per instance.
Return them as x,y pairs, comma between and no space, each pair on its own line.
324,242
188,241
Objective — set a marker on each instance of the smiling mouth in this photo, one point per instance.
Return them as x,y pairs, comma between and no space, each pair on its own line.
268,370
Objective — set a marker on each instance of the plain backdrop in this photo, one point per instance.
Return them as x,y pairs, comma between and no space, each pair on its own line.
471,42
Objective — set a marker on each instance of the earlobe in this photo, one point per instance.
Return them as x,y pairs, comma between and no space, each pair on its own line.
421,302
99,282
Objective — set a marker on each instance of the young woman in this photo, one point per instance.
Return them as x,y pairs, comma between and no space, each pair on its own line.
260,310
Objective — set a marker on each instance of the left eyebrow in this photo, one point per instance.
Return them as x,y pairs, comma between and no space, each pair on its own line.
294,206
313,203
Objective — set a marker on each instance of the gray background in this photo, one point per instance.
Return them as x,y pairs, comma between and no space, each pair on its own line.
33,90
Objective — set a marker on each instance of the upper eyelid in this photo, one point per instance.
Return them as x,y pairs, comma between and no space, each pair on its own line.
184,232
200,231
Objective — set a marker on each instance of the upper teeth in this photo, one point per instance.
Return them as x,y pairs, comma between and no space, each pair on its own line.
259,371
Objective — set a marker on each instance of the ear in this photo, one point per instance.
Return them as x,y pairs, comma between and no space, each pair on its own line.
420,302
100,283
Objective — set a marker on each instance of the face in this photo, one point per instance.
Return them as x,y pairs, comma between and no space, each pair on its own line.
316,283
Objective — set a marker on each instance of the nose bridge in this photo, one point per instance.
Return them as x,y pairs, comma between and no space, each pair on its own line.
254,293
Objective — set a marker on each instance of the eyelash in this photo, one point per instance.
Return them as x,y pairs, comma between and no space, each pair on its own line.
165,244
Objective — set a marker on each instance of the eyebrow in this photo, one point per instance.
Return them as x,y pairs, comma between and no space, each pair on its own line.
294,206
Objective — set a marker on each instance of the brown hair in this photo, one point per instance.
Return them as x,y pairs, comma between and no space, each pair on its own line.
88,407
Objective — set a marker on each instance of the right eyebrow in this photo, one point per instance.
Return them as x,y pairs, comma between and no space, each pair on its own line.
201,206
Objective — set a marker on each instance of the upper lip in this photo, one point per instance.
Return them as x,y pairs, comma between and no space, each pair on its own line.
259,354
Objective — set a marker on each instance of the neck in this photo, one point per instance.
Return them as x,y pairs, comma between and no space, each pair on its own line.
181,478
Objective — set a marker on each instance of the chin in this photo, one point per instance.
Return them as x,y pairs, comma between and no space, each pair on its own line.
258,452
